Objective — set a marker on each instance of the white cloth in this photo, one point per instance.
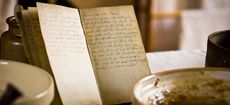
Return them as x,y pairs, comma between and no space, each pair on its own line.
169,60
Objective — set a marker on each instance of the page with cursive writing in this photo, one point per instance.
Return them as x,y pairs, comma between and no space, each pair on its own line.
38,51
116,50
68,54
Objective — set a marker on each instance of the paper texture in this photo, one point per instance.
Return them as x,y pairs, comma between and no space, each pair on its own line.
68,55
116,50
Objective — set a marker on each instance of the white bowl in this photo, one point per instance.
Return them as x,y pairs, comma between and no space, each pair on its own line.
203,85
36,85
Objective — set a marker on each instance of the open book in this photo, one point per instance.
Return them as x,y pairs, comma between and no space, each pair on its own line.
96,55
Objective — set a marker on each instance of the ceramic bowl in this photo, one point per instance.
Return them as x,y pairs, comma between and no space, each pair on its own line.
191,86
35,84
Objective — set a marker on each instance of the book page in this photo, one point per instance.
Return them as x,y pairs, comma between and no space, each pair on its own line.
68,54
39,51
116,49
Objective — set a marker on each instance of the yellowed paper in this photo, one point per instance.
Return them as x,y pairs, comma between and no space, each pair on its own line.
68,55
40,53
116,49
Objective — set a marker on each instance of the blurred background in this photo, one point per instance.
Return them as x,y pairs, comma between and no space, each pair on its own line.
165,24
181,24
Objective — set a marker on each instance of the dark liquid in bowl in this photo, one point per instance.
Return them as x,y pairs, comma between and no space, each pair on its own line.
194,92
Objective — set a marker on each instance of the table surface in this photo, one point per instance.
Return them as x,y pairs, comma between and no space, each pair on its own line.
169,60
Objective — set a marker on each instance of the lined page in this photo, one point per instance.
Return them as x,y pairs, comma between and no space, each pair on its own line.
68,55
116,49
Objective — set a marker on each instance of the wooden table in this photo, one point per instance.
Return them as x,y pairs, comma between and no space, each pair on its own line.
161,61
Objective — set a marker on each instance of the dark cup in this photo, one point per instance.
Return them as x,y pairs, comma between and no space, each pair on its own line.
218,49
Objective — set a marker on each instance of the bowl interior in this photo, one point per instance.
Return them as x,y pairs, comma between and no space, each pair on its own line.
185,85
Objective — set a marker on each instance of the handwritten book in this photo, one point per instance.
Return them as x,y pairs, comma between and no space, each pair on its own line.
96,55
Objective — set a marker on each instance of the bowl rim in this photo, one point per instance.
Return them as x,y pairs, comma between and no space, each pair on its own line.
44,96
